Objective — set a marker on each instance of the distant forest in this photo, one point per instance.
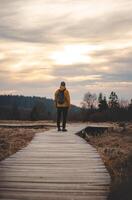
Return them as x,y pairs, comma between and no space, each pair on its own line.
93,108
99,108
15,107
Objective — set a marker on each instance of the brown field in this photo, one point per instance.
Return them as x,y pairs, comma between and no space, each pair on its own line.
115,149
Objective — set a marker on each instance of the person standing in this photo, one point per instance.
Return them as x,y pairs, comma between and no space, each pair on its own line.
62,102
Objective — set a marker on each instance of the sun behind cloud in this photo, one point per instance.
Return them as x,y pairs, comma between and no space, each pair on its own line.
73,54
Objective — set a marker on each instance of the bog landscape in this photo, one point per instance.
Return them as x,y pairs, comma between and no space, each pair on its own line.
65,100
107,128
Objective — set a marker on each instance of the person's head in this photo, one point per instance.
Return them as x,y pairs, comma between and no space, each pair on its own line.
63,84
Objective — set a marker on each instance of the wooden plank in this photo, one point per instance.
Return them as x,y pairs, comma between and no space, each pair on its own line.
27,125
55,166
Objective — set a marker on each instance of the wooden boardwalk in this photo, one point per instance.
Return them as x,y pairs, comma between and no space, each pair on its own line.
55,166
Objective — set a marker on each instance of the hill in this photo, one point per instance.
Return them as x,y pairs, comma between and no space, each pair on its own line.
18,107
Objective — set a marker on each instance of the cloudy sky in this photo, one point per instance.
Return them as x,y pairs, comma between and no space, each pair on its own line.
87,43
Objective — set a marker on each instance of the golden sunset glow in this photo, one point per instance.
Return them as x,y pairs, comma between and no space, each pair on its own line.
88,44
72,54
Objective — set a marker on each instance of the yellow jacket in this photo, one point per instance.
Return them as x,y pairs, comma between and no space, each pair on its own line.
66,97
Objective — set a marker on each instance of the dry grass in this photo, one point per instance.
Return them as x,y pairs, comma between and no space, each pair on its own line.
14,139
115,149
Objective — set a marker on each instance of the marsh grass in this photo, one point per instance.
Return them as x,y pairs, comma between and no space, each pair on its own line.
115,149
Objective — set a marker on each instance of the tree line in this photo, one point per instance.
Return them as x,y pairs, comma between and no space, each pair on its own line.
93,108
98,108
18,107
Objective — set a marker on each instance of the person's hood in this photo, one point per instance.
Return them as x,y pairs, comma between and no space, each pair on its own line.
62,88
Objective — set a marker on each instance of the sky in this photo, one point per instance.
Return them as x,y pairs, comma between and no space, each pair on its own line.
86,43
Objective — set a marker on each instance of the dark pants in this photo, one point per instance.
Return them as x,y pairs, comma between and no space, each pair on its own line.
62,111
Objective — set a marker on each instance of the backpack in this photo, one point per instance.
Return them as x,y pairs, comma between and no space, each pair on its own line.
61,97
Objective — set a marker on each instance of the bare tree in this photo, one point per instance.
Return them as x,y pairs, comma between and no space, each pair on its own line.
89,100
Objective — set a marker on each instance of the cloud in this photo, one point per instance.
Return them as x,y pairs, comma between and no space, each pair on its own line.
32,31
30,21
35,22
